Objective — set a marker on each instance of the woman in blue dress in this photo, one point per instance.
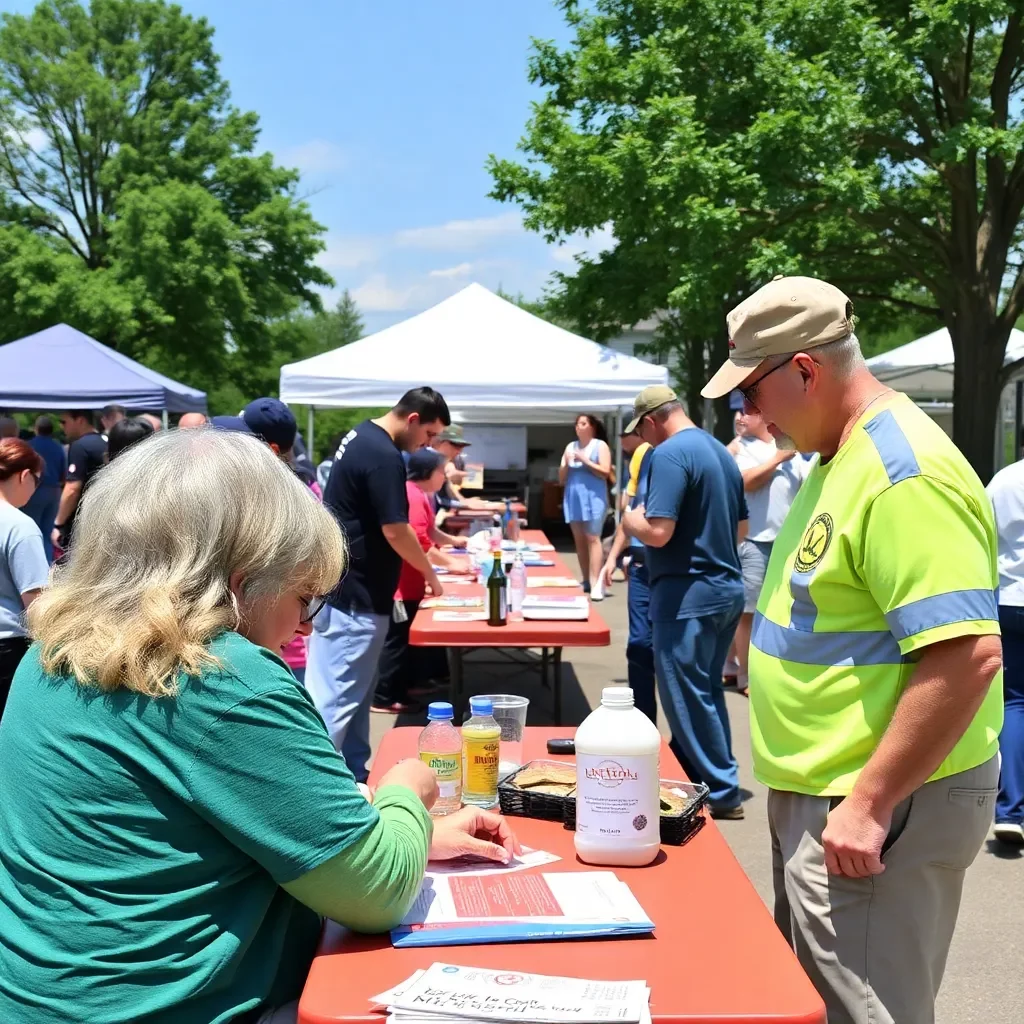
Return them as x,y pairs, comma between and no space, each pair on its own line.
584,472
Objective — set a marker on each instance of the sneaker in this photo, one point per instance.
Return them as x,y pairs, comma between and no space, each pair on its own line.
1009,832
720,813
597,592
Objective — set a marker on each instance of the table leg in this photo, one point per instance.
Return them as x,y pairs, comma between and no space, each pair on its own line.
558,685
544,668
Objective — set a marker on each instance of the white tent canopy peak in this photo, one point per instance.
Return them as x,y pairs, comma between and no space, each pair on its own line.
481,352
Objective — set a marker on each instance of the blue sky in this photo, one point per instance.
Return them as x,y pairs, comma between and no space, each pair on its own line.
390,108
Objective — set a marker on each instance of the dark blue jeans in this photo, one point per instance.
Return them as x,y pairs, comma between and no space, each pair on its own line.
689,655
1010,802
640,645
41,508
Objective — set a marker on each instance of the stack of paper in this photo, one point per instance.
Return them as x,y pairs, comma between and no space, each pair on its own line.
553,581
445,994
459,910
557,607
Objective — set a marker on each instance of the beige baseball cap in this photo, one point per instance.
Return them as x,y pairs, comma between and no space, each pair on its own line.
651,398
789,314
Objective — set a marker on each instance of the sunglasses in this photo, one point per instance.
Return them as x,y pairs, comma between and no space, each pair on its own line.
312,607
749,393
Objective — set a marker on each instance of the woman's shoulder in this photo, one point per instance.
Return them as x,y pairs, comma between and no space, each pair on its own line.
244,665
15,525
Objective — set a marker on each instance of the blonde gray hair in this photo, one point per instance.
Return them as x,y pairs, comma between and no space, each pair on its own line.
159,533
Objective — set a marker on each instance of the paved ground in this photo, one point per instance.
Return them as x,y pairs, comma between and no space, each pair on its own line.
984,982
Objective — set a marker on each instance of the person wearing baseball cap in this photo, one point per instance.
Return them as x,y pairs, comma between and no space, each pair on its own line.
452,443
875,680
690,523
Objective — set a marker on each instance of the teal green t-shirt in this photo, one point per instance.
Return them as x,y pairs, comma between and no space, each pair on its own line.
143,843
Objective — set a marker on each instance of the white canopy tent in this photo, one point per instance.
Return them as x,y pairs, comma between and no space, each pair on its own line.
923,369
492,361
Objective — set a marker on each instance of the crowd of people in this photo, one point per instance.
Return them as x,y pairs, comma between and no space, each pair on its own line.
196,566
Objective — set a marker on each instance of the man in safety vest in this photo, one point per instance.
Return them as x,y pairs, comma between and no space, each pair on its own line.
875,661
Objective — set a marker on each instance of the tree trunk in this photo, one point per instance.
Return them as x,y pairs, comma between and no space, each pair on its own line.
695,379
978,350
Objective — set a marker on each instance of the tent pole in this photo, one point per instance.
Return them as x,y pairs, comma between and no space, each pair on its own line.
163,416
309,434
618,466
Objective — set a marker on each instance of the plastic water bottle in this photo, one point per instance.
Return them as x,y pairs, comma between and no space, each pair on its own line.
440,748
481,745
517,584
618,812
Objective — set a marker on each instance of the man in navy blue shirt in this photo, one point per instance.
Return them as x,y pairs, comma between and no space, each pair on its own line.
366,493
694,516
42,506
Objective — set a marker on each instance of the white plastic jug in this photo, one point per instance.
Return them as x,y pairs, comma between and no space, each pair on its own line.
617,791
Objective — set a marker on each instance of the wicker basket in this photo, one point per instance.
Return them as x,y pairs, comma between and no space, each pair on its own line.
525,803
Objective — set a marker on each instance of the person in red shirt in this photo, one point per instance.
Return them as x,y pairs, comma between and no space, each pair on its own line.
399,669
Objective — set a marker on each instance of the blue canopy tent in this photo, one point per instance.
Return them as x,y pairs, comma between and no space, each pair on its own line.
61,368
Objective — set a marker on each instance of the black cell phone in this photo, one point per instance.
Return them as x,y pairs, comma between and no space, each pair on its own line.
561,746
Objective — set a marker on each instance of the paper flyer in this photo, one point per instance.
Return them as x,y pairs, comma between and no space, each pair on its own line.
459,993
468,909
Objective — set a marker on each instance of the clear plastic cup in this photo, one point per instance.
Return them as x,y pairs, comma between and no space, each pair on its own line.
510,713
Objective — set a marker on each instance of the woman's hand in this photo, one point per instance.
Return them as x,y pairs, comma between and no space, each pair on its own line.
474,832
415,775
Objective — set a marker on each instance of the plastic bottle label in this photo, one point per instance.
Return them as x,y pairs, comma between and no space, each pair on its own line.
447,768
481,751
617,797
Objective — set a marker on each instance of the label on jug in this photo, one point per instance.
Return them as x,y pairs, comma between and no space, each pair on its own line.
617,797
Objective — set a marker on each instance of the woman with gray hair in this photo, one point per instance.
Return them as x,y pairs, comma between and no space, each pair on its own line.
175,818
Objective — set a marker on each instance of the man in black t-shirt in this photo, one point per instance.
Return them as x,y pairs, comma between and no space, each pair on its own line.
366,493
86,455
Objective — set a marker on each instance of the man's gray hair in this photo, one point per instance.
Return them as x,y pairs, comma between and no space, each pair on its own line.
663,412
843,357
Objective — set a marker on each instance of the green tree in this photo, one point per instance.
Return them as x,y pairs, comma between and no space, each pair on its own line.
725,141
300,335
133,202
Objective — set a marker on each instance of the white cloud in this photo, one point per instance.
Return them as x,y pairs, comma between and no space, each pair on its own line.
460,234
345,252
460,270
580,244
315,157
376,295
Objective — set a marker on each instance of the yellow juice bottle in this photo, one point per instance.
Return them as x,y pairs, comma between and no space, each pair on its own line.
481,748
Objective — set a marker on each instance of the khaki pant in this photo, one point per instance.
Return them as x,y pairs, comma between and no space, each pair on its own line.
875,948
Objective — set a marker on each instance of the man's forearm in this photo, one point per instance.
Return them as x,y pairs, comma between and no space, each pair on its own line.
619,543
68,503
439,537
759,476
655,532
948,686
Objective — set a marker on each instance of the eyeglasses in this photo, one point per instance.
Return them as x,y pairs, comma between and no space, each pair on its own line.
749,393
312,607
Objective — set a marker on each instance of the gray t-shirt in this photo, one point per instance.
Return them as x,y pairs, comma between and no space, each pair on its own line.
768,505
23,567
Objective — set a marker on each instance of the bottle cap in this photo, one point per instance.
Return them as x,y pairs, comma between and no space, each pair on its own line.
440,711
617,697
485,706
